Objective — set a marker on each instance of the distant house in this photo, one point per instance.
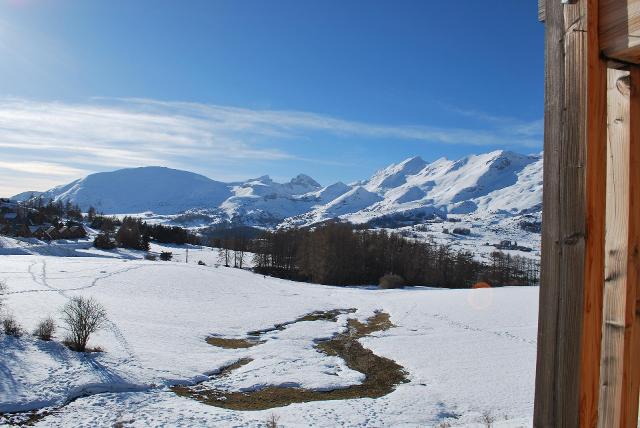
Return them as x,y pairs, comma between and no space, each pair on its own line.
21,230
73,232
509,245
52,232
40,232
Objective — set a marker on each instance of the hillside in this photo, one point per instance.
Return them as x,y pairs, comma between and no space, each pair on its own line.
497,184
136,190
471,352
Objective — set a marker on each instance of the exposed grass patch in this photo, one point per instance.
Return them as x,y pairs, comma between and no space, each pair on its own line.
22,419
382,375
222,342
330,315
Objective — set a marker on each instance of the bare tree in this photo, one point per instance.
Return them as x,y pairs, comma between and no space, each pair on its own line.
3,290
82,316
45,329
272,421
11,326
224,256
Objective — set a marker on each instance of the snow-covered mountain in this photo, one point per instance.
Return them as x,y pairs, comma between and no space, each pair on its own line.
135,190
499,183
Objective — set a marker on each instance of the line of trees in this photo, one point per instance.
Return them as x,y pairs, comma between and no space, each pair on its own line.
39,212
137,234
337,254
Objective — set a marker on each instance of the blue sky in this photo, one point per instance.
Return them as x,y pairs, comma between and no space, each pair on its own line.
237,89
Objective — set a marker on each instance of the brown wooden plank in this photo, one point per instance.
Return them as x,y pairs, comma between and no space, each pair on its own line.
575,121
596,168
631,357
546,365
620,29
616,238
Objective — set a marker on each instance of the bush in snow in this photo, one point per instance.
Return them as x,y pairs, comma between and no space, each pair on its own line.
45,329
83,317
3,290
104,242
11,326
272,421
391,281
150,257
487,419
166,256
461,231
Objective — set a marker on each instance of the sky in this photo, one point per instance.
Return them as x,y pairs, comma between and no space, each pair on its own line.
237,89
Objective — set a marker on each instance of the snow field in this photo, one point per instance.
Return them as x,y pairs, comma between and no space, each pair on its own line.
466,351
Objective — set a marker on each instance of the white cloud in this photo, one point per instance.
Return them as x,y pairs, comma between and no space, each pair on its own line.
63,141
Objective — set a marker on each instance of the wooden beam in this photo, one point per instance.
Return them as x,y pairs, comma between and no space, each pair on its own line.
595,212
545,404
569,325
541,4
631,356
620,29
616,239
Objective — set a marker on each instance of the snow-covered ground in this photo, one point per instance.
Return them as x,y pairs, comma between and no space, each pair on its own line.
468,353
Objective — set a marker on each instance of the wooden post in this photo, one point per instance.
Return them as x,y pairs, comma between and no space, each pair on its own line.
616,238
631,355
569,326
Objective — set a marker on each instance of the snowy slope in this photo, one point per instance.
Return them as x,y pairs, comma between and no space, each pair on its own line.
135,190
262,201
467,352
25,196
499,183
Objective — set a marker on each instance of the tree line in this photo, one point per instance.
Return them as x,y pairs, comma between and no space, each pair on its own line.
137,234
39,212
336,254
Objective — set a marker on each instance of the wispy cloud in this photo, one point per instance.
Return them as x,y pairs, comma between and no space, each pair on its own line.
507,125
63,141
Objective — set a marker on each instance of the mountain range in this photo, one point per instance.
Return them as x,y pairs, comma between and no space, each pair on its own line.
499,183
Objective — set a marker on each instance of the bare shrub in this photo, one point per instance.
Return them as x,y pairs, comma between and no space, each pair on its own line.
272,421
45,329
11,326
487,418
83,317
166,256
391,281
104,242
3,290
150,257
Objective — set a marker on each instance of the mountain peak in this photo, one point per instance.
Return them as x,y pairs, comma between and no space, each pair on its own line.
413,161
497,181
304,180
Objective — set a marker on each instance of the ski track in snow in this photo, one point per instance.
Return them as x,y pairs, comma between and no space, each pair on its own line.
112,326
131,382
464,326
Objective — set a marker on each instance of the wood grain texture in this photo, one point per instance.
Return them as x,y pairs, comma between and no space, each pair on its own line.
619,29
631,356
616,238
541,5
546,365
573,218
595,217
